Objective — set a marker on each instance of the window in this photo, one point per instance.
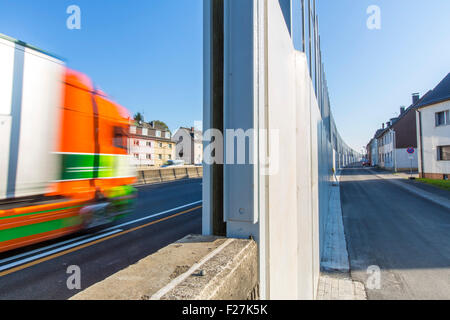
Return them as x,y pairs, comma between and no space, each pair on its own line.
443,153
442,118
160,156
149,144
160,145
170,157
158,134
167,135
170,146
136,143
149,157
133,130
136,156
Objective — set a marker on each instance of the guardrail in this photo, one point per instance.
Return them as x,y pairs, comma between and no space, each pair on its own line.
151,176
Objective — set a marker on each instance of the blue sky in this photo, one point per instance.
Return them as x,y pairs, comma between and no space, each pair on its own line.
371,73
147,54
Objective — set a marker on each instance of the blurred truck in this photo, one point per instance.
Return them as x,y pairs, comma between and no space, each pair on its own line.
64,163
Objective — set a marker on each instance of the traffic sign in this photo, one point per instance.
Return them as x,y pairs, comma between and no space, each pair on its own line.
411,150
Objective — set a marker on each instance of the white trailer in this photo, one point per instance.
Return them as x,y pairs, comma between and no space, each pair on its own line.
30,100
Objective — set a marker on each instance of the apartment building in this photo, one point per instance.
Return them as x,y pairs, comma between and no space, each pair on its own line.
141,146
150,145
433,132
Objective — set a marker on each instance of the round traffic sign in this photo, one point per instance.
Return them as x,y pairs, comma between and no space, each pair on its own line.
411,150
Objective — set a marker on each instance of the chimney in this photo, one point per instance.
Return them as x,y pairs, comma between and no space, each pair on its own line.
382,126
415,97
402,110
388,124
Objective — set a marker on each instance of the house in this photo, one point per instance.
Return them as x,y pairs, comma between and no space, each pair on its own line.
369,151
433,132
385,142
140,146
372,151
150,145
399,135
189,145
164,146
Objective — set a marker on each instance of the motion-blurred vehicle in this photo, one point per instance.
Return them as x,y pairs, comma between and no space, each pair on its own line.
366,164
173,163
64,159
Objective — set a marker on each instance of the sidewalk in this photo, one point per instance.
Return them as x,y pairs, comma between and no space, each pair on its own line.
331,287
335,281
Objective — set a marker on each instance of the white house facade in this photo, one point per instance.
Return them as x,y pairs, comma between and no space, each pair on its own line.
189,146
141,151
434,140
386,150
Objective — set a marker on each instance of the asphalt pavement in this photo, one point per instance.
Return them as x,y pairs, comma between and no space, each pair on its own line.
164,214
391,229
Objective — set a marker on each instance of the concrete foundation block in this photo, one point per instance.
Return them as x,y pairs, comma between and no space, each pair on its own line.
194,268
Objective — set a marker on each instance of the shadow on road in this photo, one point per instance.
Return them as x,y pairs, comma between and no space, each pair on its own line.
389,226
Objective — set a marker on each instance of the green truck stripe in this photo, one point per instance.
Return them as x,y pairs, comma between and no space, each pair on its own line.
84,167
33,229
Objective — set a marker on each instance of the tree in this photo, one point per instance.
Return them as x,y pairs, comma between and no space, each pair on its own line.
160,124
139,117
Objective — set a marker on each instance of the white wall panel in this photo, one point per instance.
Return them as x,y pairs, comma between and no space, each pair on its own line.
268,86
283,227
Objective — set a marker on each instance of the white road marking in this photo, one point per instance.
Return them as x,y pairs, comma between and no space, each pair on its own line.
83,239
43,249
154,215
48,253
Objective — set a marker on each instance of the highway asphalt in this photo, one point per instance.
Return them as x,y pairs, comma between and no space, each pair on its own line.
164,214
405,235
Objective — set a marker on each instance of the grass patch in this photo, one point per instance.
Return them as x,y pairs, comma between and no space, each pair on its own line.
443,184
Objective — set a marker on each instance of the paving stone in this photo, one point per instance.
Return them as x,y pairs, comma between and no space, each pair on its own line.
335,282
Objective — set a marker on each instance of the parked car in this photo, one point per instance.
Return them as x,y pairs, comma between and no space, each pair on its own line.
173,163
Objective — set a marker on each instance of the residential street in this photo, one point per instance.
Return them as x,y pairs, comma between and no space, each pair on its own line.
405,235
